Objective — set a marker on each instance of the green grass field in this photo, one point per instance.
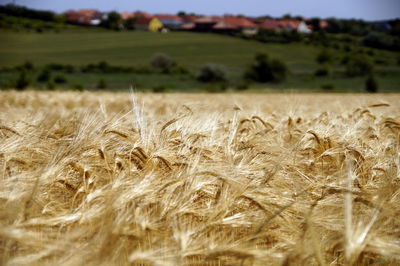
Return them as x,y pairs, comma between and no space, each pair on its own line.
79,47
135,48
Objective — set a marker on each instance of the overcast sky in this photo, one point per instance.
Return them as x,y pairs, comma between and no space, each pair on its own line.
364,9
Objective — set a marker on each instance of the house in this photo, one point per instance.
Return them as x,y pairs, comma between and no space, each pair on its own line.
269,24
84,16
142,23
226,24
303,28
155,25
127,15
171,22
140,14
150,24
241,24
205,24
288,24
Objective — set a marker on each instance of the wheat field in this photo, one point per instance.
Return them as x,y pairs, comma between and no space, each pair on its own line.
197,179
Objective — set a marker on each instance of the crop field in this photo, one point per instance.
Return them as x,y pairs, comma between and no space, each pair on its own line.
199,179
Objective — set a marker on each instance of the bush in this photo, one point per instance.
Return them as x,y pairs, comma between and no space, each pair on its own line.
60,79
78,87
265,69
28,65
44,76
180,70
102,84
358,65
217,87
243,85
22,81
371,85
327,86
159,89
381,40
324,56
162,62
212,73
51,85
322,72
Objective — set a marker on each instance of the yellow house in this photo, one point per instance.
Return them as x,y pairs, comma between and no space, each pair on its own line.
155,25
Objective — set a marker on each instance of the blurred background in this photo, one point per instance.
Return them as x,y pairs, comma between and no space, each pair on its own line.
207,46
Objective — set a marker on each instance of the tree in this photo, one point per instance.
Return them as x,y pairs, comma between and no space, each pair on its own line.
212,73
45,75
163,62
324,56
22,81
113,21
102,84
371,85
265,69
358,65
129,24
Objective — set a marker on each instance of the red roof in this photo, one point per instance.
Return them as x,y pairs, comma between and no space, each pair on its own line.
269,24
83,16
207,20
323,24
222,25
239,22
140,14
169,17
190,18
143,21
188,26
126,15
289,24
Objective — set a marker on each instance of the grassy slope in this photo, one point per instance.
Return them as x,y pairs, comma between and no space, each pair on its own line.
83,46
126,48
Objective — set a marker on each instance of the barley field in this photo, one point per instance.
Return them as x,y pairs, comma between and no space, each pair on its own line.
192,179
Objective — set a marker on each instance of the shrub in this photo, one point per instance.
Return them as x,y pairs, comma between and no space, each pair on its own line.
51,85
324,56
265,69
159,88
102,84
322,72
358,65
243,85
78,87
217,87
327,86
381,40
44,76
60,79
371,84
180,70
162,62
28,65
22,81
212,73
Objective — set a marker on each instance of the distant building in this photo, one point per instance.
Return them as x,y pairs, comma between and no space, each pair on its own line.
303,28
171,22
226,24
269,24
84,16
142,23
127,15
155,25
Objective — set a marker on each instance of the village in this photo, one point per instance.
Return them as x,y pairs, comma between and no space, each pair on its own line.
229,24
